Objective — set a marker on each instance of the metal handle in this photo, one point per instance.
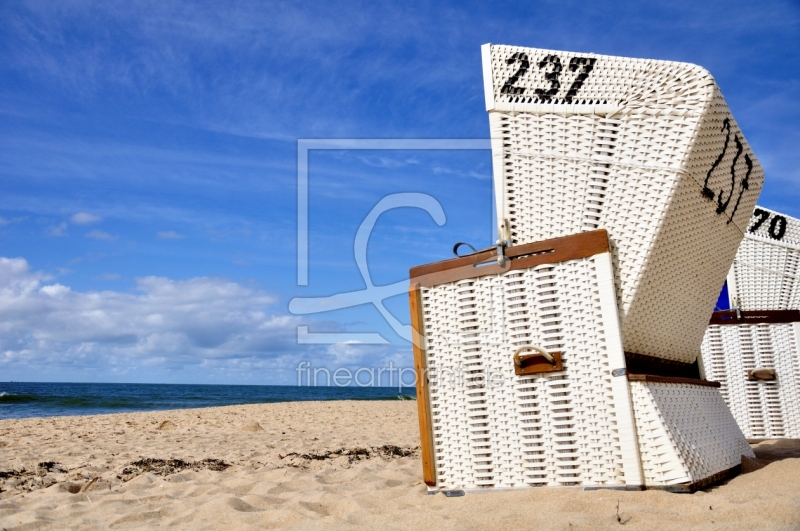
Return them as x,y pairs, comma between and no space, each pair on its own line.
459,244
756,375
738,308
540,352
503,241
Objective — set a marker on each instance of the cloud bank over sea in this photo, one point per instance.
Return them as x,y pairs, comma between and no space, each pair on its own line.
164,324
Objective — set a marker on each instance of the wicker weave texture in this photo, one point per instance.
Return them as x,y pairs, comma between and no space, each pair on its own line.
761,408
631,151
766,271
686,433
492,428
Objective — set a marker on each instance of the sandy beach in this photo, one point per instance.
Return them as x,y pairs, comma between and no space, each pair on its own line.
315,465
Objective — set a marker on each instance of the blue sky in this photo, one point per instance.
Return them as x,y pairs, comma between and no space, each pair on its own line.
148,161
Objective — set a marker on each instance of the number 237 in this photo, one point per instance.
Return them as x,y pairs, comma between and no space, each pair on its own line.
552,66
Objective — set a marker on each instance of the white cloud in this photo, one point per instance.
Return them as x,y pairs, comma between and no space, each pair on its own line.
387,162
83,218
170,235
100,235
167,323
439,170
55,290
349,353
59,230
6,221
202,329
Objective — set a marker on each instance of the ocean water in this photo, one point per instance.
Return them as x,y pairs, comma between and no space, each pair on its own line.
20,399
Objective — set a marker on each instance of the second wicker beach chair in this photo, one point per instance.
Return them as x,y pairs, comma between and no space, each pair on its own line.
753,350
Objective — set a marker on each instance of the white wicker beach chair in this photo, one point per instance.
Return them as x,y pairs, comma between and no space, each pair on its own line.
647,150
522,380
766,270
754,349
757,360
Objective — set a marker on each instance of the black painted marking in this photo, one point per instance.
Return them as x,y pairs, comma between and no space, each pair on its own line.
745,185
763,216
726,124
722,207
524,64
588,64
774,232
551,76
777,227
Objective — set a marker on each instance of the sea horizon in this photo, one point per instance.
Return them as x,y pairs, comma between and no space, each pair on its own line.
52,399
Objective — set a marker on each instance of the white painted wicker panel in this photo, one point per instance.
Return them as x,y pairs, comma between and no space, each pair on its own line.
766,271
762,409
632,153
686,433
574,427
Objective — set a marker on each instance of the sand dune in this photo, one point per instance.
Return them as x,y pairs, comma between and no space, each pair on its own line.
351,464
